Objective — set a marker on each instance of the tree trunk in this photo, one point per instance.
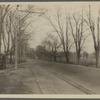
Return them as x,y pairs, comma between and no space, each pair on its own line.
97,58
24,51
10,56
78,57
67,56
19,53
55,58
16,51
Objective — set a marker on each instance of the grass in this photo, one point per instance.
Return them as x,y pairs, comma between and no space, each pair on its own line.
84,62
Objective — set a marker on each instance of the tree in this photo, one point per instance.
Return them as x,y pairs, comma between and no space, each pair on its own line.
41,52
3,12
62,29
78,31
16,27
85,55
95,31
13,34
51,44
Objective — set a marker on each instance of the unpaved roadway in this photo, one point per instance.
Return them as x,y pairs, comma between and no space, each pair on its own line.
43,77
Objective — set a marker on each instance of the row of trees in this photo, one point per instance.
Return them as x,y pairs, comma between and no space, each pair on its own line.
70,29
73,30
14,22
13,36
44,53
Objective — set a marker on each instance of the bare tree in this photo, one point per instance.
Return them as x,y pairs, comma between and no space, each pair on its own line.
52,44
77,27
95,31
21,36
18,24
62,30
13,35
3,12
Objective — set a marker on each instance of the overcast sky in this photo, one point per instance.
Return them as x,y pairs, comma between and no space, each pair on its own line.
40,27
43,27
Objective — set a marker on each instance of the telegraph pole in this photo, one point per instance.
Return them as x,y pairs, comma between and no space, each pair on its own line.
16,46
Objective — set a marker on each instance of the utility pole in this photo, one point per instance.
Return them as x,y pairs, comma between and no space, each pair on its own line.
16,51
16,46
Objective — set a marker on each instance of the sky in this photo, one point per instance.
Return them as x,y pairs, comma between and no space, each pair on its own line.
43,27
39,27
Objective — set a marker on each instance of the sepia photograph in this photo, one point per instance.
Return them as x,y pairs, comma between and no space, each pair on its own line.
50,48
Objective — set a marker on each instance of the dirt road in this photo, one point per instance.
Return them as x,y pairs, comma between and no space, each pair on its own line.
42,77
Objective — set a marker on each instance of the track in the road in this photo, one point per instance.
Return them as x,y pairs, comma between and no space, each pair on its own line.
77,86
36,81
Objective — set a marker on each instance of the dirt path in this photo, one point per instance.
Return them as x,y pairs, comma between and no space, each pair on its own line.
31,78
85,77
49,83
43,77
